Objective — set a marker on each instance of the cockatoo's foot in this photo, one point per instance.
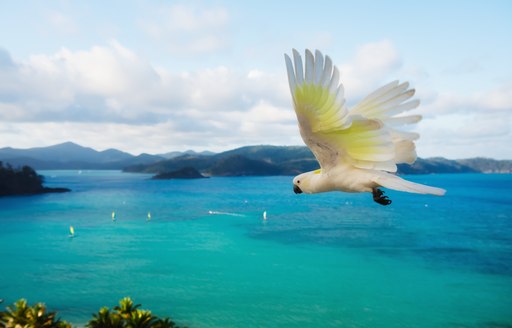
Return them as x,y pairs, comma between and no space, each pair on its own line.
378,196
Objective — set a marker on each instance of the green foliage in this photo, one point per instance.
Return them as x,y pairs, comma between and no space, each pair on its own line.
19,181
105,319
22,181
128,315
22,315
245,161
125,315
126,307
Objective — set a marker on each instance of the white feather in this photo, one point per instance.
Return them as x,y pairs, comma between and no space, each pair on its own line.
403,107
319,67
402,120
291,74
335,81
393,182
310,67
379,92
299,74
376,109
326,75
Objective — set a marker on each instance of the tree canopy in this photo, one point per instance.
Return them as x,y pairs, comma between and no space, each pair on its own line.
125,315
22,181
19,181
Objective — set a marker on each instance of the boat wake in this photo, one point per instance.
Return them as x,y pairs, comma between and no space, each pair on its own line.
224,213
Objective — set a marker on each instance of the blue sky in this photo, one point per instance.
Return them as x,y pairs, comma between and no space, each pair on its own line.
161,76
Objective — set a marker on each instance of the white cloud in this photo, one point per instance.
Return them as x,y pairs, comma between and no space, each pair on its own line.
458,125
193,19
188,29
61,23
109,96
465,135
497,99
485,102
228,130
75,85
114,93
370,68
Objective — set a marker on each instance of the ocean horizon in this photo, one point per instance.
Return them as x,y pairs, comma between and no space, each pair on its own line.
207,258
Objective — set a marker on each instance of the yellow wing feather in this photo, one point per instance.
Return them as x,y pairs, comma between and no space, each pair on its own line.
334,134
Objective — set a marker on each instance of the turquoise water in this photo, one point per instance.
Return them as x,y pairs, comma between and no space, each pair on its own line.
329,260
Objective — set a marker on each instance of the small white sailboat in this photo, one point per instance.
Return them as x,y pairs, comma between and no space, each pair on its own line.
113,216
265,215
149,216
71,232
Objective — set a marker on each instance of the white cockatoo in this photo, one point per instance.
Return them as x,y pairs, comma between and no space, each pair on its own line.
357,149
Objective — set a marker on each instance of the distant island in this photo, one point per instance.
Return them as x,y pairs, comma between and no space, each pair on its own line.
261,160
184,173
292,160
23,181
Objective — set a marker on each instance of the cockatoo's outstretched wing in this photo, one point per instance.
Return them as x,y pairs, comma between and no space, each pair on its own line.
336,136
385,104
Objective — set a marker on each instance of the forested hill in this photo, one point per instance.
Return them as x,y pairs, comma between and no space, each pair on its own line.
22,181
244,161
285,160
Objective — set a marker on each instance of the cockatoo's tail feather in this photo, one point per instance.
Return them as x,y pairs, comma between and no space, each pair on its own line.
393,182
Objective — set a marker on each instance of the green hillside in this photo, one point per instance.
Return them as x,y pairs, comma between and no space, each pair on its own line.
283,160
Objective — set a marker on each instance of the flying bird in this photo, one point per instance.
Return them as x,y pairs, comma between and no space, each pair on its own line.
357,149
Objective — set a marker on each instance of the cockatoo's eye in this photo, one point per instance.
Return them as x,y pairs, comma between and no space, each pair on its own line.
298,181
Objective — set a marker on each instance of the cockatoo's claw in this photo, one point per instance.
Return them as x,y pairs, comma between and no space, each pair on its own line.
378,197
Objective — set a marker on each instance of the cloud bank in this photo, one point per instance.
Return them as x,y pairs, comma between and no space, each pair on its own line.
110,96
90,92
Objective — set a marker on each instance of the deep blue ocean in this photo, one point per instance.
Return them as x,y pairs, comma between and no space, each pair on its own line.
208,259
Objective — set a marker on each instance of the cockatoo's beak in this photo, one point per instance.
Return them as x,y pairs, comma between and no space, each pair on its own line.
296,189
